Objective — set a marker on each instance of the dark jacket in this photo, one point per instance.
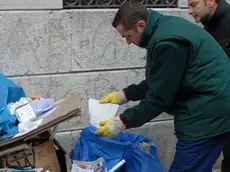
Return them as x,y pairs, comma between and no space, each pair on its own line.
219,26
187,75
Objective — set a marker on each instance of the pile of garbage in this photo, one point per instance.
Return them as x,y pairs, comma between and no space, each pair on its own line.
17,111
129,152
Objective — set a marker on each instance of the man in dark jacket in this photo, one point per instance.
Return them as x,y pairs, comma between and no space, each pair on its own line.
187,75
215,16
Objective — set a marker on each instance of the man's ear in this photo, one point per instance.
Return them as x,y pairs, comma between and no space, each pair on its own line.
211,3
140,25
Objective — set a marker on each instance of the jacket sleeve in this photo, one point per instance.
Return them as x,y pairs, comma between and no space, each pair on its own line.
225,44
166,72
136,92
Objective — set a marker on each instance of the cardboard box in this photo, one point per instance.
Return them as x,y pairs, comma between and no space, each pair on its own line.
41,151
41,156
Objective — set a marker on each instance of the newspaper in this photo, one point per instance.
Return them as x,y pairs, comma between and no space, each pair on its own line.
93,166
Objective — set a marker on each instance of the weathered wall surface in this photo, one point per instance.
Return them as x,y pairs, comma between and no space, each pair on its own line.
30,4
62,52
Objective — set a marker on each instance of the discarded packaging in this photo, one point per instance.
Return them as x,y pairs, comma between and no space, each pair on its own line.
94,166
37,146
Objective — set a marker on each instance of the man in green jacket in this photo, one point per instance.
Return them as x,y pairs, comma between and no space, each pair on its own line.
187,75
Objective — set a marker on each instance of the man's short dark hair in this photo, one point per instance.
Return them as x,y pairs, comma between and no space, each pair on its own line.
129,14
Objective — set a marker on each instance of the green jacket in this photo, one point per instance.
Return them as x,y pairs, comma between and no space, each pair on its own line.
187,75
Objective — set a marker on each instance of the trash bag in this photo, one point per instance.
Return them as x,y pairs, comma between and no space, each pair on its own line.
9,92
138,151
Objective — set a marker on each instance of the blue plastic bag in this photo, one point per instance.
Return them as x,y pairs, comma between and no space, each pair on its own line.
90,147
9,92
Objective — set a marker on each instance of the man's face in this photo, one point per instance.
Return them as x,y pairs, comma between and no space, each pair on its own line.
201,10
131,35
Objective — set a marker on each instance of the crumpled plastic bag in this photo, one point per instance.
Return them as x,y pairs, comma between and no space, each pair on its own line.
9,92
138,151
41,106
26,127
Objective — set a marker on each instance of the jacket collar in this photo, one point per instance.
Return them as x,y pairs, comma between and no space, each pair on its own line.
221,10
151,25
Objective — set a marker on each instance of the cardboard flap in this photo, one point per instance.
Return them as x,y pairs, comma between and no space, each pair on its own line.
66,108
17,148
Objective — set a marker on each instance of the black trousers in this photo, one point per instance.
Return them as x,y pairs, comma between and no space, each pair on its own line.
225,166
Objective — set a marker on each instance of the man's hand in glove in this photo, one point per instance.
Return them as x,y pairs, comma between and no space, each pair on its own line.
115,98
111,127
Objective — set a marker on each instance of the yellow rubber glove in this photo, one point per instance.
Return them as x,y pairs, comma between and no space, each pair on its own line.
111,98
114,98
111,127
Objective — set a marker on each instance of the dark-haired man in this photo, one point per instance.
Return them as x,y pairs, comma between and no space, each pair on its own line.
187,75
215,16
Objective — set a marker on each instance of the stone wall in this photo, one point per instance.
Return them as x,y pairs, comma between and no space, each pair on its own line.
56,53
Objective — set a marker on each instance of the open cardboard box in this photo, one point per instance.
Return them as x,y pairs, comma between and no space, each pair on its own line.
37,147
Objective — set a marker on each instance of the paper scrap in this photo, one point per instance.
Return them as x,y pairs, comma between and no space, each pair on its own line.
99,112
25,113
